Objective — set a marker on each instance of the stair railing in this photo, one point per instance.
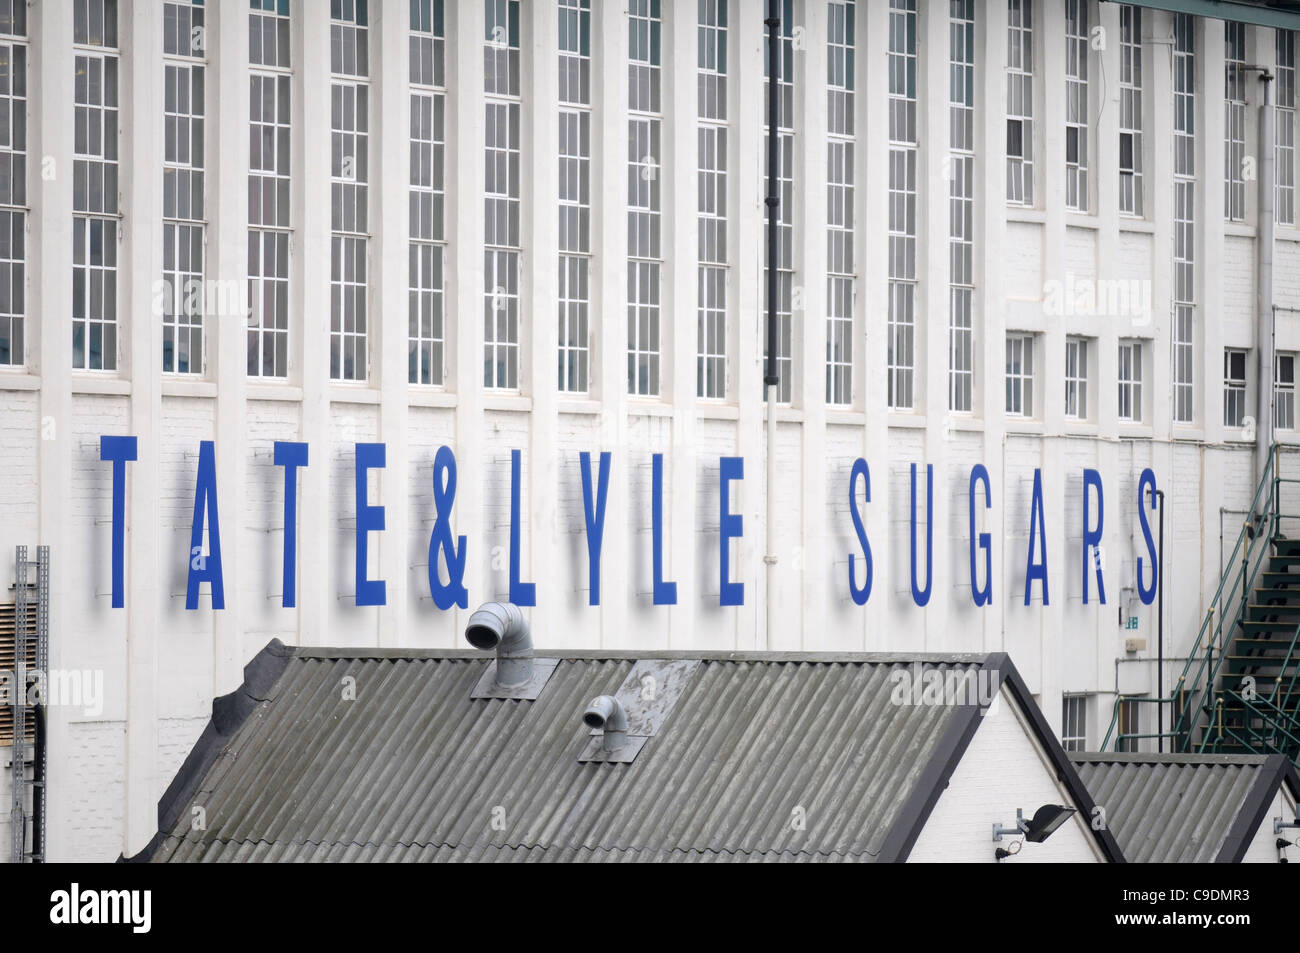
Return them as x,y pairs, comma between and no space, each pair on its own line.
1193,698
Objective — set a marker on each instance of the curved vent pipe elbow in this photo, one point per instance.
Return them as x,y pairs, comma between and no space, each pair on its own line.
502,626
606,713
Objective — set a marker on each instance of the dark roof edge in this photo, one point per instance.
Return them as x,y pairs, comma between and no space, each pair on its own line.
1065,771
893,658
1258,800
933,781
229,712
1151,757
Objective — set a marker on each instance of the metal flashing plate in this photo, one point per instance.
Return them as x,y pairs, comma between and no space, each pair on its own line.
650,691
593,751
487,687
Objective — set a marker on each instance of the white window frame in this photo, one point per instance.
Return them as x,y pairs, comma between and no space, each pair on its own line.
426,268
503,121
785,336
1284,364
270,236
1019,373
841,283
1077,367
1077,113
713,275
1234,121
961,275
1183,333
1285,126
1074,722
1020,102
184,178
96,156
575,136
1129,373
1234,386
1131,81
13,185
901,338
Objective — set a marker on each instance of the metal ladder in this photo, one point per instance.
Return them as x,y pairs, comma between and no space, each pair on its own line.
31,623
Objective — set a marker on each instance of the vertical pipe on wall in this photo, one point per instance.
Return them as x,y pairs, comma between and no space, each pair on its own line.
771,378
1264,288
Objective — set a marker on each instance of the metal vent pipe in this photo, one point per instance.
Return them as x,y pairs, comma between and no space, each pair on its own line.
502,626
607,713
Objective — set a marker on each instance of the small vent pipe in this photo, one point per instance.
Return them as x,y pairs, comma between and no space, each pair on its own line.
607,713
502,626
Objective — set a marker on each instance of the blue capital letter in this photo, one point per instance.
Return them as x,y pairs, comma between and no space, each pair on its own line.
922,596
730,526
1148,480
1092,536
208,568
370,592
119,450
1033,568
981,596
521,593
665,593
860,596
291,456
595,516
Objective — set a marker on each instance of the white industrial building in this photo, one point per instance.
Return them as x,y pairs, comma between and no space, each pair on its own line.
1021,235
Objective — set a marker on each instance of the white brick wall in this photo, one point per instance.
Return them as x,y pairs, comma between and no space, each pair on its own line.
1003,769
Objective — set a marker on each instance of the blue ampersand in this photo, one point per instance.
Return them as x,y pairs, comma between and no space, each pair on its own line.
454,592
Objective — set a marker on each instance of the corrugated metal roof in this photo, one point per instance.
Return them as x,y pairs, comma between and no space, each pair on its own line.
1178,808
414,769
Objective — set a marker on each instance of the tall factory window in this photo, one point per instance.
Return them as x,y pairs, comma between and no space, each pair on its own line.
1020,102
961,211
1234,122
840,161
184,241
785,211
575,196
1184,325
901,332
1130,110
713,152
270,81
94,185
1076,104
501,174
427,254
13,181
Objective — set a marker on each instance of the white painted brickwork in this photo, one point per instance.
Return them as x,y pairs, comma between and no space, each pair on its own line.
163,664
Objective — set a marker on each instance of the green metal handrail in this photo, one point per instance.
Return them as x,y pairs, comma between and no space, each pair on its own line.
1252,546
1201,671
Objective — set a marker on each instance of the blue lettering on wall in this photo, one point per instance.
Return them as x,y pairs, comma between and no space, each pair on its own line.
370,519
922,596
1091,534
1147,490
730,526
521,593
454,550
594,512
981,596
1035,569
205,567
119,450
665,593
860,596
291,456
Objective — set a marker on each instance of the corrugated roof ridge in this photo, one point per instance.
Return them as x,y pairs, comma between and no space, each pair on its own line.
571,848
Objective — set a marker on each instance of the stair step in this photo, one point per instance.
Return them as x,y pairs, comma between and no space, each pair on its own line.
1257,663
1279,578
1256,608
1267,625
1265,595
1284,546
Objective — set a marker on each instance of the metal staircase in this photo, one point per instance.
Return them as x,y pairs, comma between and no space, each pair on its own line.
1239,691
31,641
